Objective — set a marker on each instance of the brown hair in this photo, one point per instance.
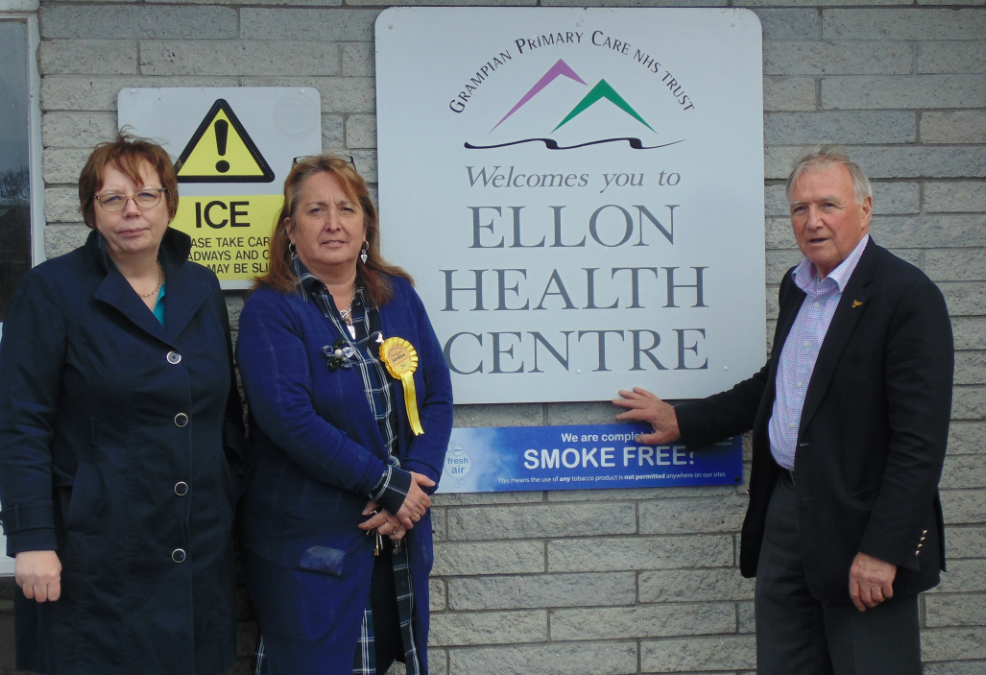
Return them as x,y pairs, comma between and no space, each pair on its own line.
126,153
373,274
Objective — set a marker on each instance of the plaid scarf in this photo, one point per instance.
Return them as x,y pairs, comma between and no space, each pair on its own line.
363,352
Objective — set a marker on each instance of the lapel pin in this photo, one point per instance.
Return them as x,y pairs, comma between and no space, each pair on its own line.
856,303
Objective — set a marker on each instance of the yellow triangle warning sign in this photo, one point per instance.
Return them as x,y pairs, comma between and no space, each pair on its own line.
221,151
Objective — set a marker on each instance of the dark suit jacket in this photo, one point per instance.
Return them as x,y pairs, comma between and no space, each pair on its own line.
873,432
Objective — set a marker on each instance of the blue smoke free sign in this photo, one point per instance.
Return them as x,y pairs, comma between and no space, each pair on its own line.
513,459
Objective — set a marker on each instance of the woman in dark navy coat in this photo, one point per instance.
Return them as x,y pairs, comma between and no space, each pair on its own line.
116,392
351,404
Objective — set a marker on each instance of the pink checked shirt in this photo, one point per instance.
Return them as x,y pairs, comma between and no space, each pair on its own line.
801,348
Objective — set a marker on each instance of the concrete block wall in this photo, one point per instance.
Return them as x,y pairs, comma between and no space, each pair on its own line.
616,581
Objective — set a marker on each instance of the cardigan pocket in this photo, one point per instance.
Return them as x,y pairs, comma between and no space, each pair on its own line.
323,560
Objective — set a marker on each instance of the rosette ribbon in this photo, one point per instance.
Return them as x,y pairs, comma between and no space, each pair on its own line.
401,360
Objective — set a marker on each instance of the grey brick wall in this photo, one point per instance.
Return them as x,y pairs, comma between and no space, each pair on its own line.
616,581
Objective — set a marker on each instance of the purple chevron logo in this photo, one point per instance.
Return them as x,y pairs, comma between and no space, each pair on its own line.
560,68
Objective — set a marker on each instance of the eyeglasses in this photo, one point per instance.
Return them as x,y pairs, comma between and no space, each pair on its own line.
117,201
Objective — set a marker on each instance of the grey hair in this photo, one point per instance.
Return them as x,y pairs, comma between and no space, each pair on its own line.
827,155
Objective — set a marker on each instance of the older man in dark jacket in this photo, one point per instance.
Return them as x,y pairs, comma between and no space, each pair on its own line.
850,421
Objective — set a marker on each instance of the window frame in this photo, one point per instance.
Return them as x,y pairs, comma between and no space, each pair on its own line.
27,11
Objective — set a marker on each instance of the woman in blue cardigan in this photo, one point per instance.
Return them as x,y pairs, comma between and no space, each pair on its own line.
352,405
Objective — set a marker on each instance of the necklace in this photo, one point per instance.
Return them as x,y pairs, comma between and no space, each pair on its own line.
160,282
347,314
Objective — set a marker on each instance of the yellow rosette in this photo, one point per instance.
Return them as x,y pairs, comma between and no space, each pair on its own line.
402,360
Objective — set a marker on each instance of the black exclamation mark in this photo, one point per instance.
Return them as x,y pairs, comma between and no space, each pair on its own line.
222,130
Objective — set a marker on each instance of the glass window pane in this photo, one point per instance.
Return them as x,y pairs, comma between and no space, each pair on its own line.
15,185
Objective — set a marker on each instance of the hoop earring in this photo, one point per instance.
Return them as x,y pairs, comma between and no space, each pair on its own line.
362,251
292,250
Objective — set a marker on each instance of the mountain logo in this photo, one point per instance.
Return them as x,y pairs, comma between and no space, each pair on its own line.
602,91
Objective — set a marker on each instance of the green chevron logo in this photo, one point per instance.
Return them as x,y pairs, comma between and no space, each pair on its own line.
601,91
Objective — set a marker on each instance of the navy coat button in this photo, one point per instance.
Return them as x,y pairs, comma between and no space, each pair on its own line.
178,555
181,488
174,358
181,420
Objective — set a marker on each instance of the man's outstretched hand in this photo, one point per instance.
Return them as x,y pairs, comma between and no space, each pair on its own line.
646,407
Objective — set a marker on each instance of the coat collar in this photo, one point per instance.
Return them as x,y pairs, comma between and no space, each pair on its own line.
852,306
185,294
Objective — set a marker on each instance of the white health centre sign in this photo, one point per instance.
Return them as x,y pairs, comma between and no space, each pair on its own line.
578,194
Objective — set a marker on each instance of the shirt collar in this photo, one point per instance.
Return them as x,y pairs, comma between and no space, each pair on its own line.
308,284
173,250
806,274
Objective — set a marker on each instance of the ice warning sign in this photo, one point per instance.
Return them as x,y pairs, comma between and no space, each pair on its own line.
230,234
221,151
233,148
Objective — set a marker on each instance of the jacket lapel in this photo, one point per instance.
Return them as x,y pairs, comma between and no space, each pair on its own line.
790,306
791,299
854,302
116,292
184,295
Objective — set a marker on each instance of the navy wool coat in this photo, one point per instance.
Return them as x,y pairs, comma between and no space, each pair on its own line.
112,453
319,453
